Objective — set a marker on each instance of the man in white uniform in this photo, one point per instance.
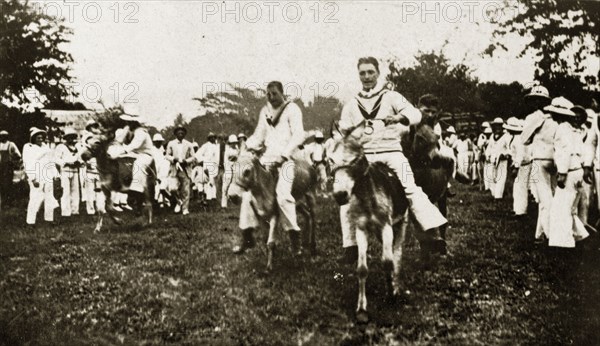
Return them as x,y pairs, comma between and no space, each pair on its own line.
208,157
387,116
180,153
279,132
69,159
41,169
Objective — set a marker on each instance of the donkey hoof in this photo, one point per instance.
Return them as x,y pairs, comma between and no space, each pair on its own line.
362,317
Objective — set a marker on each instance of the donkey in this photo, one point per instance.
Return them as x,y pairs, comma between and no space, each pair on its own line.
431,175
115,175
251,177
377,205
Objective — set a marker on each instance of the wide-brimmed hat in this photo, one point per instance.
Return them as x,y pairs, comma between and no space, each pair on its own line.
538,91
498,121
488,130
451,129
157,138
70,132
3,133
177,128
131,112
34,131
513,124
232,139
561,106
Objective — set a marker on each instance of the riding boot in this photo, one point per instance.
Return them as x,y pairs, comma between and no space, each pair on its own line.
246,242
295,242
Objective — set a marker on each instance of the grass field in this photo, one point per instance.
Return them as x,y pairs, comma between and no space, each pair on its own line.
178,283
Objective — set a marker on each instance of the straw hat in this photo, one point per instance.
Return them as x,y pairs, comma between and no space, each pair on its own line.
232,139
538,91
34,131
158,138
131,112
513,124
560,105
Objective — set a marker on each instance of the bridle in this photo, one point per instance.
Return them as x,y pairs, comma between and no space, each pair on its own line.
353,166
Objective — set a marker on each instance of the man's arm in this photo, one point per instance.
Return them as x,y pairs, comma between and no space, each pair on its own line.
404,110
297,128
169,154
137,141
257,139
562,149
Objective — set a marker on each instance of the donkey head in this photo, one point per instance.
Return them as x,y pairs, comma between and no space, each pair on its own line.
245,175
348,164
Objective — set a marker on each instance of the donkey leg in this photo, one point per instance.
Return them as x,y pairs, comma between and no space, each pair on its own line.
99,222
362,272
387,255
399,235
271,242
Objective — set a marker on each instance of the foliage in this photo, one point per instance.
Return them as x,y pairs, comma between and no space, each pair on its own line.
31,54
433,73
562,34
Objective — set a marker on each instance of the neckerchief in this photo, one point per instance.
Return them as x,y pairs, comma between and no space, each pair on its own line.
275,120
371,115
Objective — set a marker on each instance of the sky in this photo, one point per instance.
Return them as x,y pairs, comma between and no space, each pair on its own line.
164,53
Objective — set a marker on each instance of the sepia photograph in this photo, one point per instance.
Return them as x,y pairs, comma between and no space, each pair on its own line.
315,172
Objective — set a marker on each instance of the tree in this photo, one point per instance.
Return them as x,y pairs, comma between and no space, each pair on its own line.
31,54
562,35
433,74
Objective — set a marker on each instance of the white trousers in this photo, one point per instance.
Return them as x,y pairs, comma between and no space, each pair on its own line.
521,190
543,185
285,202
489,174
42,194
565,227
95,199
69,202
227,179
141,166
425,214
463,161
501,173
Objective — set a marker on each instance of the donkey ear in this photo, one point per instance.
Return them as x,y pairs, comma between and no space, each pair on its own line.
335,128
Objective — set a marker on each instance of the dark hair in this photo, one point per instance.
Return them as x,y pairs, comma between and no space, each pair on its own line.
429,100
368,60
276,84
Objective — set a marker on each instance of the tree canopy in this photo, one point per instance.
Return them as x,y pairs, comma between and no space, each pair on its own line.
562,35
32,55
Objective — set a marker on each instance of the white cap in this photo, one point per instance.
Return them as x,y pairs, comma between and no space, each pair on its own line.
318,134
451,129
538,91
485,124
498,120
158,138
232,139
513,124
